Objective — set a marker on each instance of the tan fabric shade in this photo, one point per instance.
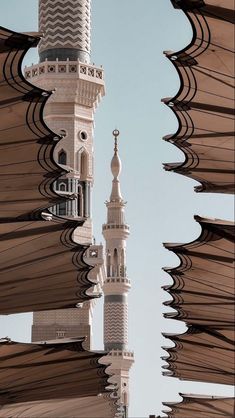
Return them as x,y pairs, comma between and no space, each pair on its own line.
56,370
27,166
204,283
193,406
202,354
89,407
41,266
204,104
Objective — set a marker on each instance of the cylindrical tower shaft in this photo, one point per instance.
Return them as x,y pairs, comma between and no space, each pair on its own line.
66,25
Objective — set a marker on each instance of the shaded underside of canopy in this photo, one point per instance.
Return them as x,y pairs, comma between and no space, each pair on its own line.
27,167
57,370
41,266
89,407
203,284
204,105
202,354
201,406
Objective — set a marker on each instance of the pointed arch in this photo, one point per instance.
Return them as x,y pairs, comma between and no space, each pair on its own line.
83,163
108,263
62,187
80,201
115,262
123,263
62,157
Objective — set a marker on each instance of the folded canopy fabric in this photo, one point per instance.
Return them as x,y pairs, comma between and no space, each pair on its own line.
101,406
56,370
204,105
200,406
41,266
202,354
27,167
203,284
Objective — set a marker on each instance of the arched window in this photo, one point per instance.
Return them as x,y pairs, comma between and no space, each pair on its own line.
108,264
62,157
62,187
80,201
123,269
115,263
84,165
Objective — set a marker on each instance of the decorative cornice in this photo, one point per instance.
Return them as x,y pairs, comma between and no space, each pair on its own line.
81,82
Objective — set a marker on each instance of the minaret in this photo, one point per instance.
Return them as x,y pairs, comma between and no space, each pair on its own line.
116,286
78,86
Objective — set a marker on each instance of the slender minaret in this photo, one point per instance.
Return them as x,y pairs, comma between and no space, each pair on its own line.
78,86
116,287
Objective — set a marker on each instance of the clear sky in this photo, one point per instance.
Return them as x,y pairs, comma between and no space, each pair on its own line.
128,39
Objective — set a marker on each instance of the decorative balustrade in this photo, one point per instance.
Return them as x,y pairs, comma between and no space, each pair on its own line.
64,67
121,353
117,280
115,226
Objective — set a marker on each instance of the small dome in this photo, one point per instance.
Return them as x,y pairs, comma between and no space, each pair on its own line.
116,165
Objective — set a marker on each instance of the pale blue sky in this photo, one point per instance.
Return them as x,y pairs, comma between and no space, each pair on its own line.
128,39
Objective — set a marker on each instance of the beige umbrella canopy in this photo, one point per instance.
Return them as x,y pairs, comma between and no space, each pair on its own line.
205,102
101,406
41,266
50,371
202,354
27,166
203,284
201,406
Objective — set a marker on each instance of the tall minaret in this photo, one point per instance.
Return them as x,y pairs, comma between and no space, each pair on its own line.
78,86
116,286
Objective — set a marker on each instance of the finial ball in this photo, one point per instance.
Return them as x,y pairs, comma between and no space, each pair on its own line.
116,133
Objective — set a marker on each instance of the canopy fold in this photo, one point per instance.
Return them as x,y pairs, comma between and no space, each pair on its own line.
42,268
204,104
50,371
203,284
201,354
27,166
101,406
201,406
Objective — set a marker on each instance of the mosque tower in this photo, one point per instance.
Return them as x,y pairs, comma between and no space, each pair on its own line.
116,287
78,87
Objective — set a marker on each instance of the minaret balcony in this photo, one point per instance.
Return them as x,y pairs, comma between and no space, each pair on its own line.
116,285
125,353
119,231
115,226
119,359
80,83
59,68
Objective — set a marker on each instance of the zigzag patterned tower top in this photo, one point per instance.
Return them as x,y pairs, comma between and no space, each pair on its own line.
66,25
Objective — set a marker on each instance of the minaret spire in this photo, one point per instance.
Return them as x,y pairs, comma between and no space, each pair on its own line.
116,167
117,285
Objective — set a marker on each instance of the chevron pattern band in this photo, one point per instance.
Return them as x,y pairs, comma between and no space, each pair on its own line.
66,25
116,324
